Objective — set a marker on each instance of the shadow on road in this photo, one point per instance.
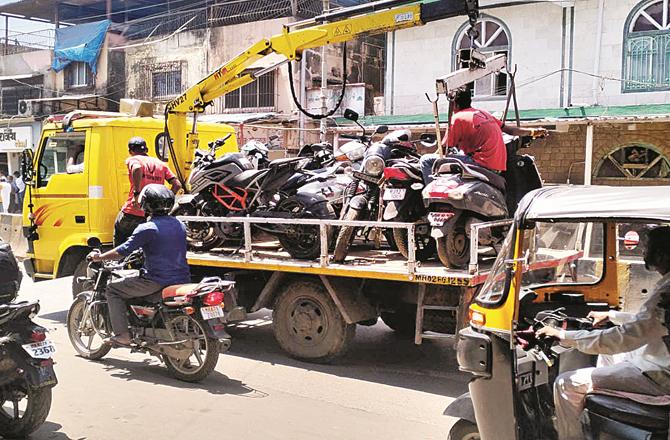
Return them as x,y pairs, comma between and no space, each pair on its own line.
55,316
151,371
377,354
49,431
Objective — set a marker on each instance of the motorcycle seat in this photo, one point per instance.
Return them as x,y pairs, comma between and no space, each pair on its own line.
277,163
449,165
649,417
245,178
177,290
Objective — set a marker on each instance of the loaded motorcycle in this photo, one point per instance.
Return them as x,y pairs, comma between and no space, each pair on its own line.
182,324
367,205
464,193
26,368
230,186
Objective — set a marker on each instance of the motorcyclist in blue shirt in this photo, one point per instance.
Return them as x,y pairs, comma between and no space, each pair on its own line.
163,240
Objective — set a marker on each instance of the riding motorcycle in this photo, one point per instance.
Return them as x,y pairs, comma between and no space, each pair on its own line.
464,193
26,370
368,204
182,325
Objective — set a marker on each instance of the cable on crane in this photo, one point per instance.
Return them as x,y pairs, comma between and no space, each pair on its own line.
339,101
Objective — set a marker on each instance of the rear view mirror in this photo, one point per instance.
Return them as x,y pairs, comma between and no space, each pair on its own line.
428,138
350,115
94,242
381,129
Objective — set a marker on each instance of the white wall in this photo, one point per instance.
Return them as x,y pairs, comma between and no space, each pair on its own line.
422,54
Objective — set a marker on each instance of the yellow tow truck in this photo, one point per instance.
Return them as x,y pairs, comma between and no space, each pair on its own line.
317,305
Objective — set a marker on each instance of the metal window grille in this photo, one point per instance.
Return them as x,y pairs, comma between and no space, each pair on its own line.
11,92
634,162
78,74
258,95
166,83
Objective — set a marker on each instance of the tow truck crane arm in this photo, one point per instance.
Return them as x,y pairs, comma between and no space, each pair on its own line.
330,28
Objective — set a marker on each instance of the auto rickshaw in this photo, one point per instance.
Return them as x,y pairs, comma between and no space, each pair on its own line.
570,250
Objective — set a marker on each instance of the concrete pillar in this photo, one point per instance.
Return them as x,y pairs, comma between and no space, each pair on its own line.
588,158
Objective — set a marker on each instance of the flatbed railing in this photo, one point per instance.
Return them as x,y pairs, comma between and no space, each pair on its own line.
325,225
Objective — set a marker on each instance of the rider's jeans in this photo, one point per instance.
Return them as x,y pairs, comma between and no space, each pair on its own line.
427,161
571,388
127,288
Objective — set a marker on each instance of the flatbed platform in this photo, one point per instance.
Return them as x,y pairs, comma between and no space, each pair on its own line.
363,261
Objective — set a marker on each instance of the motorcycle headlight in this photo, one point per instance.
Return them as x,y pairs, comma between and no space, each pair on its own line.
374,165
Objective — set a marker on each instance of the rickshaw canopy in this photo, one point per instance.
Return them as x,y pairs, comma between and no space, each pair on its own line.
596,203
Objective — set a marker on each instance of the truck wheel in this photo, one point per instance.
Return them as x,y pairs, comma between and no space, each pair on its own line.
464,430
454,248
402,320
80,272
308,325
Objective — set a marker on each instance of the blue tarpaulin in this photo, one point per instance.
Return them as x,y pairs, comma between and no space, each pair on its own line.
79,43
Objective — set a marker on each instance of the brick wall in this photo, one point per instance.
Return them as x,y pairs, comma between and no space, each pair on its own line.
556,154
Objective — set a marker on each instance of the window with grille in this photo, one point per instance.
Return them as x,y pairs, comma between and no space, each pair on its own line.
257,95
634,162
647,48
493,39
78,74
165,84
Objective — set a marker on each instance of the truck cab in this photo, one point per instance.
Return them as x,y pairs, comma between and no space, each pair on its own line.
77,182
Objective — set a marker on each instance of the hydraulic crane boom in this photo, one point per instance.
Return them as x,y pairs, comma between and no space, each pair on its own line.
335,27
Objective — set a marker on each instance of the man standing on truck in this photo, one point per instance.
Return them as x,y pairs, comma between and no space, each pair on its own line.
142,171
478,134
643,336
163,240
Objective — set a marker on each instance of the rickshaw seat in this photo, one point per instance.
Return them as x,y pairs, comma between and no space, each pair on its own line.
650,417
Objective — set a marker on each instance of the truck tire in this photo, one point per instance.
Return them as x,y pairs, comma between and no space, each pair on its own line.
402,320
308,325
464,430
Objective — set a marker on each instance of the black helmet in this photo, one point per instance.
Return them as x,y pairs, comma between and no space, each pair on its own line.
137,144
657,247
156,200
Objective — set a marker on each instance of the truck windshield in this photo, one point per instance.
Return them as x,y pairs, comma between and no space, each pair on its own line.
553,253
63,153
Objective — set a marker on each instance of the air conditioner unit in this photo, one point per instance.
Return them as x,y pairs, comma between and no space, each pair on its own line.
25,107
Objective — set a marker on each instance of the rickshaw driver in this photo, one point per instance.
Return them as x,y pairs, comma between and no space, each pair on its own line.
646,371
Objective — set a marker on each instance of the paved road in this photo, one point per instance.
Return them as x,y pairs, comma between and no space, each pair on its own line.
384,388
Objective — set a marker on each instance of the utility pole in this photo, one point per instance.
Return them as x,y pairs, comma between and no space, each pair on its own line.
324,82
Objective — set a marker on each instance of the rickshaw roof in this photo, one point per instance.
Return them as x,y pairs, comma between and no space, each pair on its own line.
606,203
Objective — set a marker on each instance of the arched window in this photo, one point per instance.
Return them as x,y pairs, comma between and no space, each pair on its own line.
647,47
634,162
493,39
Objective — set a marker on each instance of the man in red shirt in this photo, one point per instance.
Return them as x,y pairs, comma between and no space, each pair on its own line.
142,171
478,134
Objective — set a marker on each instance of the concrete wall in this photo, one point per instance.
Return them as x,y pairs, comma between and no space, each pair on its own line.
11,232
536,35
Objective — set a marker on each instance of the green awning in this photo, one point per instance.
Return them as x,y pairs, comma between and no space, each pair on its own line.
530,115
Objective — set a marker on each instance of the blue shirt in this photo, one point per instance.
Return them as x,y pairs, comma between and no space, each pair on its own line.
163,240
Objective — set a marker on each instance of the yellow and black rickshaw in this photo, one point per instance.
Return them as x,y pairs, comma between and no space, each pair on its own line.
570,250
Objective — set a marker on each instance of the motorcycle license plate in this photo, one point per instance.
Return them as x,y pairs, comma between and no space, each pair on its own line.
394,193
46,376
40,350
211,312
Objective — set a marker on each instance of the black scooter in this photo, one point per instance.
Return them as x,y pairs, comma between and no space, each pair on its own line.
463,194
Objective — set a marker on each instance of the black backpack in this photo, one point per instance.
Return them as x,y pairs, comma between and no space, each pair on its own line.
10,275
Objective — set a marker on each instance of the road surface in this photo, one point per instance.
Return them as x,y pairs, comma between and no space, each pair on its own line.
383,388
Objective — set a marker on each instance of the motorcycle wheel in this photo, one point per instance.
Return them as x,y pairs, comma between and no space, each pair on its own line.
390,240
200,236
464,430
424,244
301,241
345,237
82,338
197,366
18,420
453,249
